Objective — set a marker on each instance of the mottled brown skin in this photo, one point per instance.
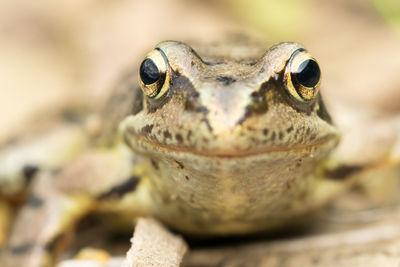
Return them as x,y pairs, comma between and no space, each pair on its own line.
230,142
225,150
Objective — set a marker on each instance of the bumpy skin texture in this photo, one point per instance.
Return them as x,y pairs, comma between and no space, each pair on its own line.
226,149
228,140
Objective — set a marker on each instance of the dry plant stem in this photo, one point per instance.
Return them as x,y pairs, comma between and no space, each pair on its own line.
377,245
153,245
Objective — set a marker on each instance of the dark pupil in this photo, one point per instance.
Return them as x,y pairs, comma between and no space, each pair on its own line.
149,72
308,73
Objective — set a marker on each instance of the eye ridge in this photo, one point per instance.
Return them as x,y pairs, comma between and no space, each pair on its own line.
308,73
149,72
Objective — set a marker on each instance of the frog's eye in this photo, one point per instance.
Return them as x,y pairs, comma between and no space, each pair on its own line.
302,76
154,76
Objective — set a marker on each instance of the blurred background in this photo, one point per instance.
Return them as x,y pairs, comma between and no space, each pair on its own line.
54,51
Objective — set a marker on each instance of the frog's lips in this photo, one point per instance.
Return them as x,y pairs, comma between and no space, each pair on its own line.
330,140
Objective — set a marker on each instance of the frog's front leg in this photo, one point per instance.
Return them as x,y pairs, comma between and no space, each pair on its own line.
367,160
58,201
50,145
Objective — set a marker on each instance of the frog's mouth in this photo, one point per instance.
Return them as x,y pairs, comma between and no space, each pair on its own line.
139,143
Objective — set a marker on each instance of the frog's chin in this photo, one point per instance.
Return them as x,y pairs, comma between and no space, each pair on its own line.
328,142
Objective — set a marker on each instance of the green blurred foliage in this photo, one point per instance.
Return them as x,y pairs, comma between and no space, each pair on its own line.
389,10
277,18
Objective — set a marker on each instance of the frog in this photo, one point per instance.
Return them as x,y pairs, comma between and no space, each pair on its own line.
211,140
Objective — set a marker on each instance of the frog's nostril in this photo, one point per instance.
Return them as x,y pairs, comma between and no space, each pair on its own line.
226,80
